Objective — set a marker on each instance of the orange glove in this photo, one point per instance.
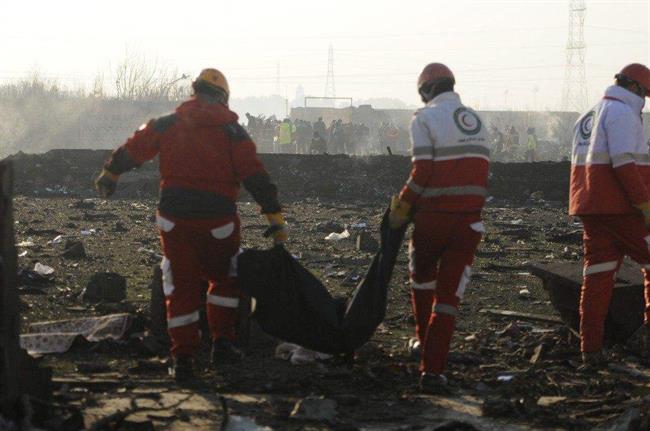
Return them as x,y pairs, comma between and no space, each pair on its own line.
106,183
399,212
277,229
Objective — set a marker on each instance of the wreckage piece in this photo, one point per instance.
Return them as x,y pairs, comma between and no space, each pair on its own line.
563,281
294,306
19,375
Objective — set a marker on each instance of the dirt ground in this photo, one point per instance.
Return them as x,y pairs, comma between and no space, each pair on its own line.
505,373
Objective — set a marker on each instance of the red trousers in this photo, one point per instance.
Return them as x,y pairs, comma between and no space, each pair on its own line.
441,254
196,251
607,239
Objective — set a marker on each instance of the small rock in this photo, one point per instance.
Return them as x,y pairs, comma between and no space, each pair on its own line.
74,249
105,287
315,409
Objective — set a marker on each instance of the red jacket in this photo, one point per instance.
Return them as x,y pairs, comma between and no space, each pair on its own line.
204,157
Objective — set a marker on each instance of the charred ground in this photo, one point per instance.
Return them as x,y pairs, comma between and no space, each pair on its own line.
502,369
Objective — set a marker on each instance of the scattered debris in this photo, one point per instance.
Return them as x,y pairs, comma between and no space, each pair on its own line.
315,409
628,421
542,356
57,240
366,242
28,277
298,355
105,287
338,236
329,226
537,354
547,401
74,249
43,270
58,336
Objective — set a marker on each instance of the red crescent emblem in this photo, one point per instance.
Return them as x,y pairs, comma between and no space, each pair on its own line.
463,120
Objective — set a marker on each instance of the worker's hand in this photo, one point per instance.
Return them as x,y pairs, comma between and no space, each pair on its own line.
645,209
277,228
399,213
106,183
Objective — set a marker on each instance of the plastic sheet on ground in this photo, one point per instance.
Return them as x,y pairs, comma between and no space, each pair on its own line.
58,336
294,306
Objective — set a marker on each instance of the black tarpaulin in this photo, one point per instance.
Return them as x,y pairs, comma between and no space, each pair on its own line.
294,306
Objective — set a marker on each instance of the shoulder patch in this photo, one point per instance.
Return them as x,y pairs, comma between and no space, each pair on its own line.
161,124
236,132
467,121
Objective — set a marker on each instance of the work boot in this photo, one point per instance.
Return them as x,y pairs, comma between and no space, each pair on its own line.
434,384
639,342
592,361
413,348
224,352
182,369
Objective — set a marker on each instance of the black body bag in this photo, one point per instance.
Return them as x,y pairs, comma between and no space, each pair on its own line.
294,306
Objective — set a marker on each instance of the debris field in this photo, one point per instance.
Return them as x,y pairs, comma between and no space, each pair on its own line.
514,364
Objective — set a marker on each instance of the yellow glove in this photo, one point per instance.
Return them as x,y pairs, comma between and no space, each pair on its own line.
645,209
106,183
277,229
399,212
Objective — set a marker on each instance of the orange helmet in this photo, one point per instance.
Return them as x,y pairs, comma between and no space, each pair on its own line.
213,78
434,72
638,73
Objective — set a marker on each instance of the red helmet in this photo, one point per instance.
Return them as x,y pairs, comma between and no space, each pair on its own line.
638,73
434,72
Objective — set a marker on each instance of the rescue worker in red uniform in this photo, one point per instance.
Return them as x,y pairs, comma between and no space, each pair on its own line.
446,191
610,192
205,155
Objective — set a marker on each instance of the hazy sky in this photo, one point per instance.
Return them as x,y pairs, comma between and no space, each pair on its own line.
506,54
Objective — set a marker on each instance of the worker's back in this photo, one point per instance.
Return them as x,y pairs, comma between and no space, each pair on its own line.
196,148
454,137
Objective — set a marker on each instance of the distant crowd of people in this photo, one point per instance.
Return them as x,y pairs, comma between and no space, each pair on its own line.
305,137
509,146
